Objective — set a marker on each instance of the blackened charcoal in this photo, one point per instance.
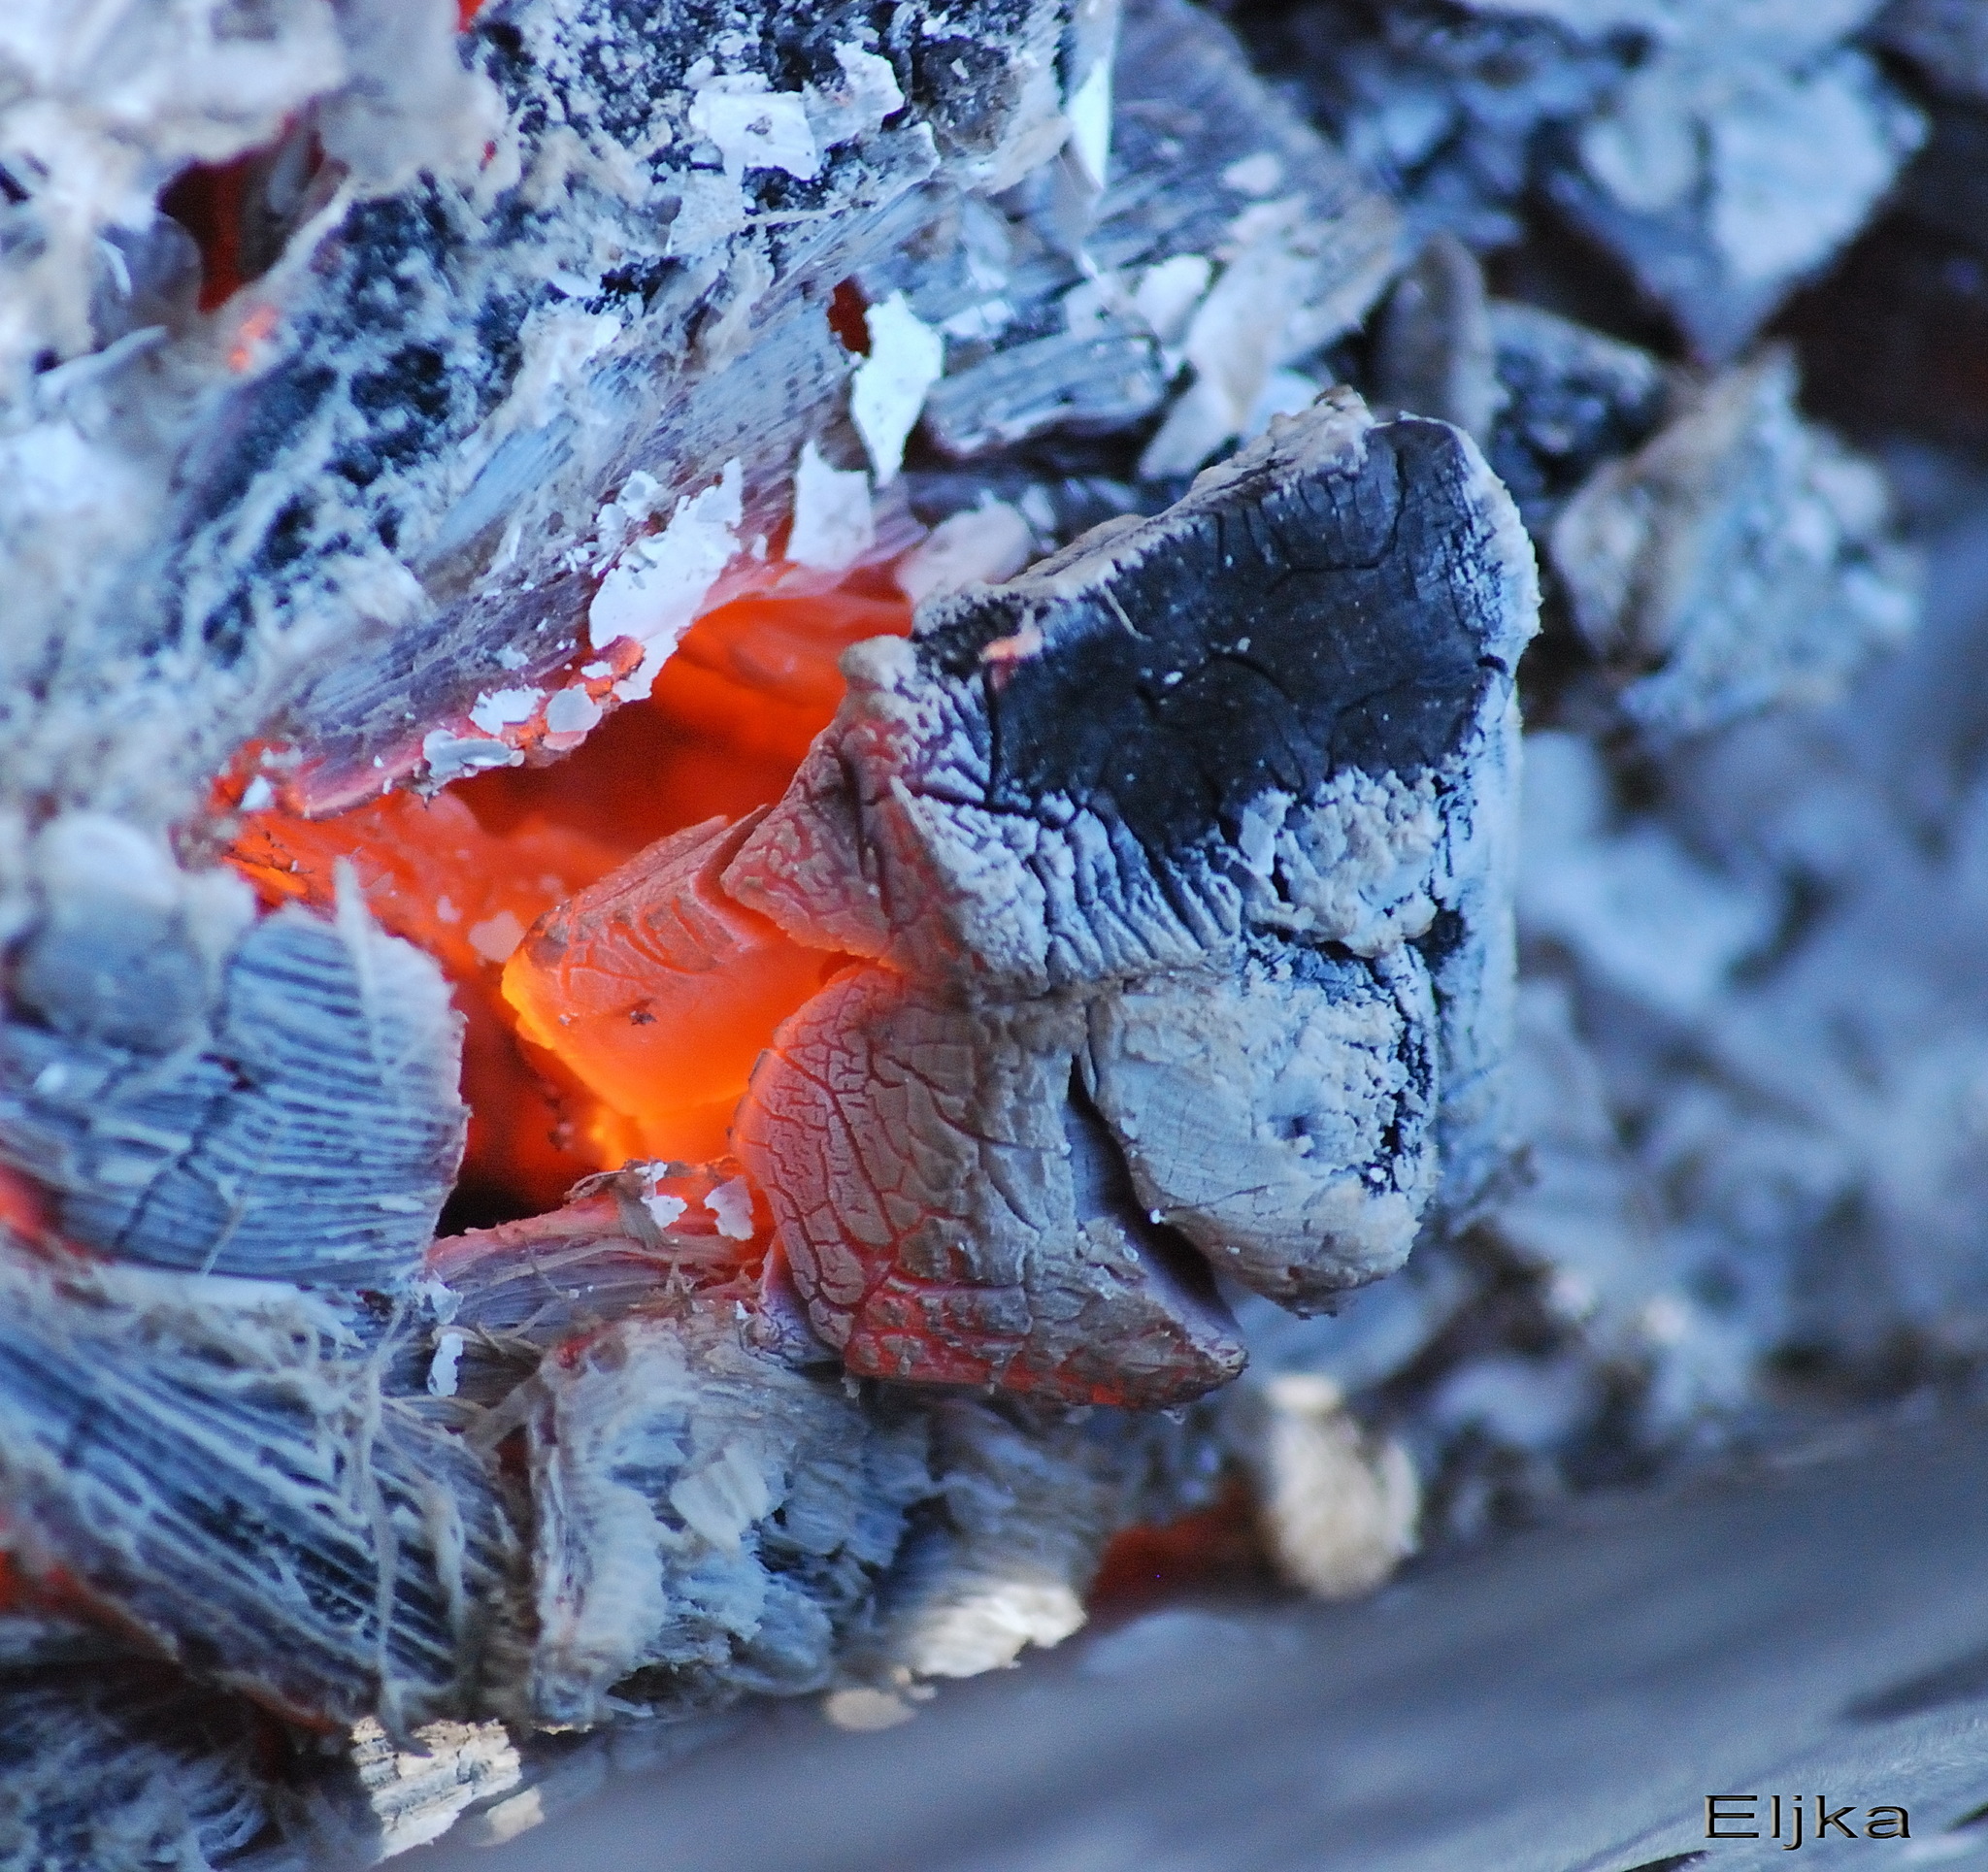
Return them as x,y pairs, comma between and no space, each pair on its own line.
1722,153
549,260
1211,810
306,1126
218,1466
1550,400
1373,595
1443,104
1570,399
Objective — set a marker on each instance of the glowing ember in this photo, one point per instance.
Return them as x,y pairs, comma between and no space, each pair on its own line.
610,1035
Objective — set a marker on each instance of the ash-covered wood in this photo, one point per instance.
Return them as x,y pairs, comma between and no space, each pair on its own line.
127,1767
709,1522
218,1468
1203,824
1222,232
273,1098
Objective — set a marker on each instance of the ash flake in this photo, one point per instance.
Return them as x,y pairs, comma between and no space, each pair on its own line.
732,1203
572,711
504,709
757,128
496,936
655,589
833,524
665,1211
453,757
906,358
443,1370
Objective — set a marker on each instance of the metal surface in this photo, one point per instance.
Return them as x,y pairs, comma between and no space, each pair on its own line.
1561,1701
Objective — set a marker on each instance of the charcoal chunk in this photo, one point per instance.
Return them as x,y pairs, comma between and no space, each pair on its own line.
1742,558
1570,399
1213,809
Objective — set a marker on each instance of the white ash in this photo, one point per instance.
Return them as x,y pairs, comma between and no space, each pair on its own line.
1726,169
981,544
1024,1509
1339,1504
100,109
709,1521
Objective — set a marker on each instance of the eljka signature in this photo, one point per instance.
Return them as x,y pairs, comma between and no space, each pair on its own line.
1785,1819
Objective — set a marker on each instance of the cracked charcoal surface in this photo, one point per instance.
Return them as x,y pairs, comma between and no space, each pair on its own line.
1278,720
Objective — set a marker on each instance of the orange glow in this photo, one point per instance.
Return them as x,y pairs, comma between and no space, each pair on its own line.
625,1026
660,992
253,332
430,874
730,716
1214,1548
24,1207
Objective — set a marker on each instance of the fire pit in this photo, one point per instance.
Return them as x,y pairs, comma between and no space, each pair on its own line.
769,907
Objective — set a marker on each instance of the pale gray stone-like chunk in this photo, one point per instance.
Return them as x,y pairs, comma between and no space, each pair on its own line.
1264,1114
1742,558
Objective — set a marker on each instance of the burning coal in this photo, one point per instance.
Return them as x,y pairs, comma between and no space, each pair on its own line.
744,817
